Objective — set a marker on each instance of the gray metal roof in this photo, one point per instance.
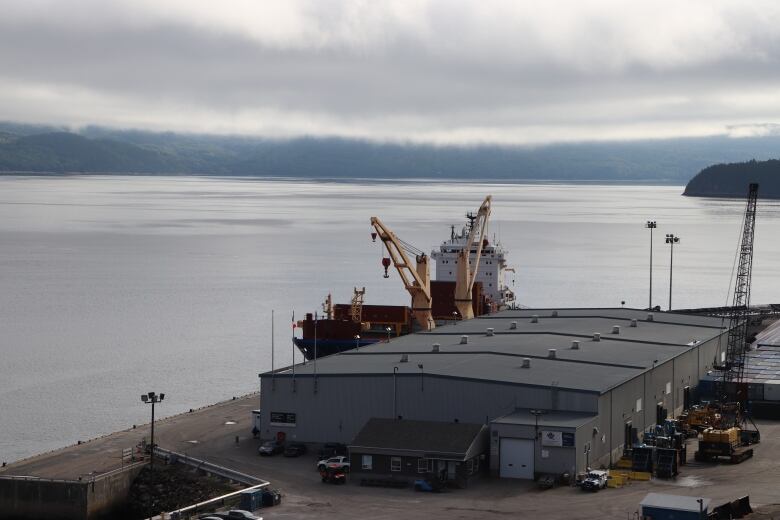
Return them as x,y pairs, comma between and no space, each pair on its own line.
422,436
524,417
675,502
596,366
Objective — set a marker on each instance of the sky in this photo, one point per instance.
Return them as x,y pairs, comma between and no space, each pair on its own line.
433,71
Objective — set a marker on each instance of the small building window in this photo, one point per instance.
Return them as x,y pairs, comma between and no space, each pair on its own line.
470,466
424,465
395,463
639,405
368,462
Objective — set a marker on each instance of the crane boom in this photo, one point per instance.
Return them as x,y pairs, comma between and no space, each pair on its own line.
466,275
416,280
734,367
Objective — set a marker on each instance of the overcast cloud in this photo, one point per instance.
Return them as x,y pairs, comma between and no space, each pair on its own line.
441,71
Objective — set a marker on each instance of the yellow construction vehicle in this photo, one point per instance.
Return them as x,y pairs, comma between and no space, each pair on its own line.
416,280
466,275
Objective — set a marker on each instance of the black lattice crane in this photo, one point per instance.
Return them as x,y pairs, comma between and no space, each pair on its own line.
733,386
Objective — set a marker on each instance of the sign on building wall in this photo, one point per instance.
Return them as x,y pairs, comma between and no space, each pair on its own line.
282,419
550,438
568,439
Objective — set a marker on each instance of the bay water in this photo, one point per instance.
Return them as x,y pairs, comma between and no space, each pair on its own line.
112,286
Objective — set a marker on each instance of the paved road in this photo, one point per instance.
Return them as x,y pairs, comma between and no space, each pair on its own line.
219,422
210,434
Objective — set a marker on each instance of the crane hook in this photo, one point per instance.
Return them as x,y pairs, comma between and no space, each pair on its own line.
386,265
373,237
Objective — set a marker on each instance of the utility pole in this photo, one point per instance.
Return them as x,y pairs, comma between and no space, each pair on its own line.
651,225
671,240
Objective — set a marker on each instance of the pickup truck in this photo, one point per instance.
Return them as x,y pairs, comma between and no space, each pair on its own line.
594,480
340,462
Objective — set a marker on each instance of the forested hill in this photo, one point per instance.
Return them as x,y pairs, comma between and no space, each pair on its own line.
42,149
732,180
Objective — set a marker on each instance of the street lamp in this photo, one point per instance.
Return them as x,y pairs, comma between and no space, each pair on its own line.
651,225
152,398
388,330
395,393
671,240
422,375
454,317
536,414
357,341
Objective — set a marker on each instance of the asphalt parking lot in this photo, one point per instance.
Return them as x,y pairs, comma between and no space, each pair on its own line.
210,434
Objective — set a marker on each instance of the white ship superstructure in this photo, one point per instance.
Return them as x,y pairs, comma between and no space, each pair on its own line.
492,269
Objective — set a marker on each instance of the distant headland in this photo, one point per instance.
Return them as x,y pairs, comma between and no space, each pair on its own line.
731,180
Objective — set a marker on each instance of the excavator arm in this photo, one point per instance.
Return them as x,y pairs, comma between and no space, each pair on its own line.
464,282
416,280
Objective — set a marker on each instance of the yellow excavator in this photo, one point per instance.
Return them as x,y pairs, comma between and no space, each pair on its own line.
416,280
466,275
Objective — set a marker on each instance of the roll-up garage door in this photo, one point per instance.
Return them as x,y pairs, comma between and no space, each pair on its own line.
517,458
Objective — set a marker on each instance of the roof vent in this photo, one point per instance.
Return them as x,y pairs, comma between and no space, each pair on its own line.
464,340
649,316
596,336
513,325
535,318
554,314
633,322
404,358
436,347
489,332
551,353
526,362
615,329
575,345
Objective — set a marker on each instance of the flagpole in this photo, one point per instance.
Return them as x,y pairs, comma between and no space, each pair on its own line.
293,349
273,372
315,351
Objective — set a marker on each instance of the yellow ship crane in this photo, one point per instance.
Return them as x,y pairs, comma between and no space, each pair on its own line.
416,280
464,281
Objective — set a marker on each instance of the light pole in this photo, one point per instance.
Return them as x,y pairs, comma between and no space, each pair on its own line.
388,330
422,380
152,398
357,341
651,225
395,393
671,240
536,414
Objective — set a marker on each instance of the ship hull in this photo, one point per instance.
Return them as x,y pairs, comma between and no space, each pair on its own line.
327,347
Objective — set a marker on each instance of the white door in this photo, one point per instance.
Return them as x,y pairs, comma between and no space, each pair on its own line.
517,458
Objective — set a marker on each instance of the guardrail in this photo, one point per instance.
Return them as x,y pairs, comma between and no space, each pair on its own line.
208,467
81,479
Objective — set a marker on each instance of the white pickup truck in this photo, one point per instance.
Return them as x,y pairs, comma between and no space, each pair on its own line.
595,480
340,462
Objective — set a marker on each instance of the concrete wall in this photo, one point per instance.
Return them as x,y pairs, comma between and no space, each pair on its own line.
28,498
342,404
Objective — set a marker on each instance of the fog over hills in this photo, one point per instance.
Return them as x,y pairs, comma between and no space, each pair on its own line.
43,149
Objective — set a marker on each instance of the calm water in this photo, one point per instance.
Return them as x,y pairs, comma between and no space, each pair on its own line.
113,286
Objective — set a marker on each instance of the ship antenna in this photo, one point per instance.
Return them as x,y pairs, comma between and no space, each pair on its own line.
471,217
452,232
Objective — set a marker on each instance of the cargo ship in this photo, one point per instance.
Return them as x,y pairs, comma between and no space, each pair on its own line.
343,327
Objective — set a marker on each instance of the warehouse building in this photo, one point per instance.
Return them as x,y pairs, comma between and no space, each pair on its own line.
560,390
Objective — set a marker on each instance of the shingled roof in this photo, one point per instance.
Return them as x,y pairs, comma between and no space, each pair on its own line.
429,438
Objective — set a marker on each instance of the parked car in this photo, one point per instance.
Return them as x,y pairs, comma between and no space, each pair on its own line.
334,475
432,485
340,462
270,448
233,514
595,480
331,449
294,449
